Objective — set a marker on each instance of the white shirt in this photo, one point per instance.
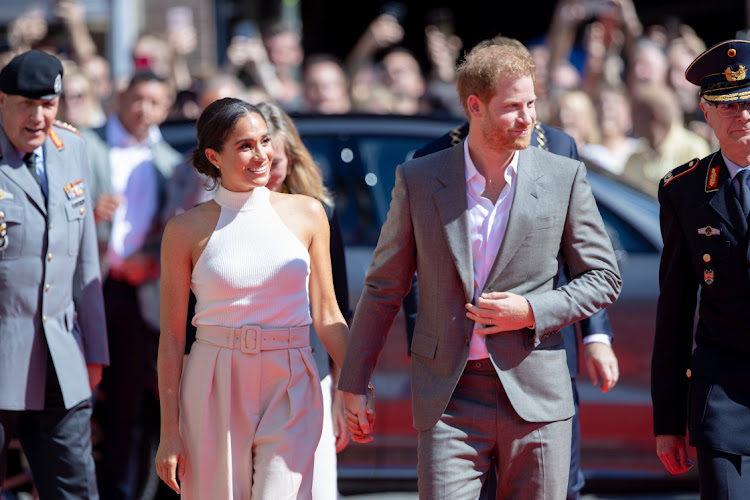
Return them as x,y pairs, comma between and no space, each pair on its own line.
487,225
134,179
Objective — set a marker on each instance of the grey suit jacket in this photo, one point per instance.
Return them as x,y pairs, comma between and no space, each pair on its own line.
49,276
427,228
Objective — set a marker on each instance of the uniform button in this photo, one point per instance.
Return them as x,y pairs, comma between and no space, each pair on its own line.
44,319
49,256
47,287
2,215
706,257
689,373
50,226
82,211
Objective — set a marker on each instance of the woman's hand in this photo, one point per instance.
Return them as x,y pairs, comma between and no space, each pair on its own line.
170,461
340,431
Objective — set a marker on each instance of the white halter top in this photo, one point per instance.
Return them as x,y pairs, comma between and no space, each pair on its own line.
254,270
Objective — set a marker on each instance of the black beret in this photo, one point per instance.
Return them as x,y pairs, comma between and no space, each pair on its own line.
723,72
33,74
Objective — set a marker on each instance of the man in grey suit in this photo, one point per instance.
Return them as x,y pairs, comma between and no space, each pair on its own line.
130,168
53,340
483,225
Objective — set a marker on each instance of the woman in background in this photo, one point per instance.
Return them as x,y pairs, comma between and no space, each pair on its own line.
244,419
294,171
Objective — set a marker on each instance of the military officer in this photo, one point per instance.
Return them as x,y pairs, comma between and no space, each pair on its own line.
704,222
53,340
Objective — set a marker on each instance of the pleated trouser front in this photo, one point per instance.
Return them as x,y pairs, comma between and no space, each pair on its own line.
250,423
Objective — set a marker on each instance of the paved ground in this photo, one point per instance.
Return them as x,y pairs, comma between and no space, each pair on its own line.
613,496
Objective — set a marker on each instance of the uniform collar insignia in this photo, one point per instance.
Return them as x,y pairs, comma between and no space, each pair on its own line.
56,140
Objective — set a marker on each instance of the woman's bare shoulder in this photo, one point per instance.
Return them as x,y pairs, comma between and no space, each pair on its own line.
297,203
196,223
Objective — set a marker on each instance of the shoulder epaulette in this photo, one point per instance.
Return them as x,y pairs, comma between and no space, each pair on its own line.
541,137
66,126
456,136
676,174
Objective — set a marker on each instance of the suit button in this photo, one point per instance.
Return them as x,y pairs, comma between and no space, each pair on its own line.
477,364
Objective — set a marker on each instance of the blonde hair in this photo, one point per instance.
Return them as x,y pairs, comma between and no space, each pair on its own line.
304,176
480,70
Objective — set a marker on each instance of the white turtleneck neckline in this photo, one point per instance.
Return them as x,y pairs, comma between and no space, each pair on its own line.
240,201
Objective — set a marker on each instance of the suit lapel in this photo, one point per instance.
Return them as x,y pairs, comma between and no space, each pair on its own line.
522,214
725,200
14,168
453,212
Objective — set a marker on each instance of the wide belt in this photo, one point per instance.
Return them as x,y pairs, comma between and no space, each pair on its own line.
252,339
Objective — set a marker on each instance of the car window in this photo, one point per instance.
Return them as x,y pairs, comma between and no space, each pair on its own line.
360,171
625,238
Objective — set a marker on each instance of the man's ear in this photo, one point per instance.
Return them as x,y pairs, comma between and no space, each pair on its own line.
474,105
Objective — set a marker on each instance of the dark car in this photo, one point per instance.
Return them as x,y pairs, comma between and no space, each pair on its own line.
358,155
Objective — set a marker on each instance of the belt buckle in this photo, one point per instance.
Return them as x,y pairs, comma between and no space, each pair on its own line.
251,338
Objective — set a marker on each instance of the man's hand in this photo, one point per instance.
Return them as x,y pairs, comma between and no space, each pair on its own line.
340,430
672,450
360,416
500,312
601,364
95,374
105,206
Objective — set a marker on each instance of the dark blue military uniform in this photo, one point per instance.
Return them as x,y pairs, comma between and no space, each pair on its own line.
700,373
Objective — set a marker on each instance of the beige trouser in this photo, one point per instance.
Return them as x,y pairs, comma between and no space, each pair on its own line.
250,415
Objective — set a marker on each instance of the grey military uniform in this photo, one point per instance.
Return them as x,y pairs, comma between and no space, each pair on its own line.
49,276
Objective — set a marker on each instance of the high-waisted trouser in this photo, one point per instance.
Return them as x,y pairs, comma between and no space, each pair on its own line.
250,414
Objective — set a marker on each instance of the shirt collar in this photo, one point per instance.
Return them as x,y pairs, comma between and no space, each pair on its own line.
475,179
119,137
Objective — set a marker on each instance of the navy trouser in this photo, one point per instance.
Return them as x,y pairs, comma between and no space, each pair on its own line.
723,476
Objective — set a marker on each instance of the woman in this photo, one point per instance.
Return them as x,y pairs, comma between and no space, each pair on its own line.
249,412
294,171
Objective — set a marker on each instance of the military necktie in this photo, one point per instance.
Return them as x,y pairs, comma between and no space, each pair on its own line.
742,176
30,160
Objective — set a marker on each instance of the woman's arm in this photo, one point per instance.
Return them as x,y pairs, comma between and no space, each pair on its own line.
327,318
176,269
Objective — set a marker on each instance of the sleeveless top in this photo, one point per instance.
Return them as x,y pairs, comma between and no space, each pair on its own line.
254,270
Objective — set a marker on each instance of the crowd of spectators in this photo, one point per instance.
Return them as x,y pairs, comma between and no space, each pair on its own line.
615,85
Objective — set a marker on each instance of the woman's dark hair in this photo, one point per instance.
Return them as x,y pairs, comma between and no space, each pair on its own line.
213,127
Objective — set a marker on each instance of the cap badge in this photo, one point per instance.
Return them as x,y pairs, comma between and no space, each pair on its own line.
735,76
58,83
